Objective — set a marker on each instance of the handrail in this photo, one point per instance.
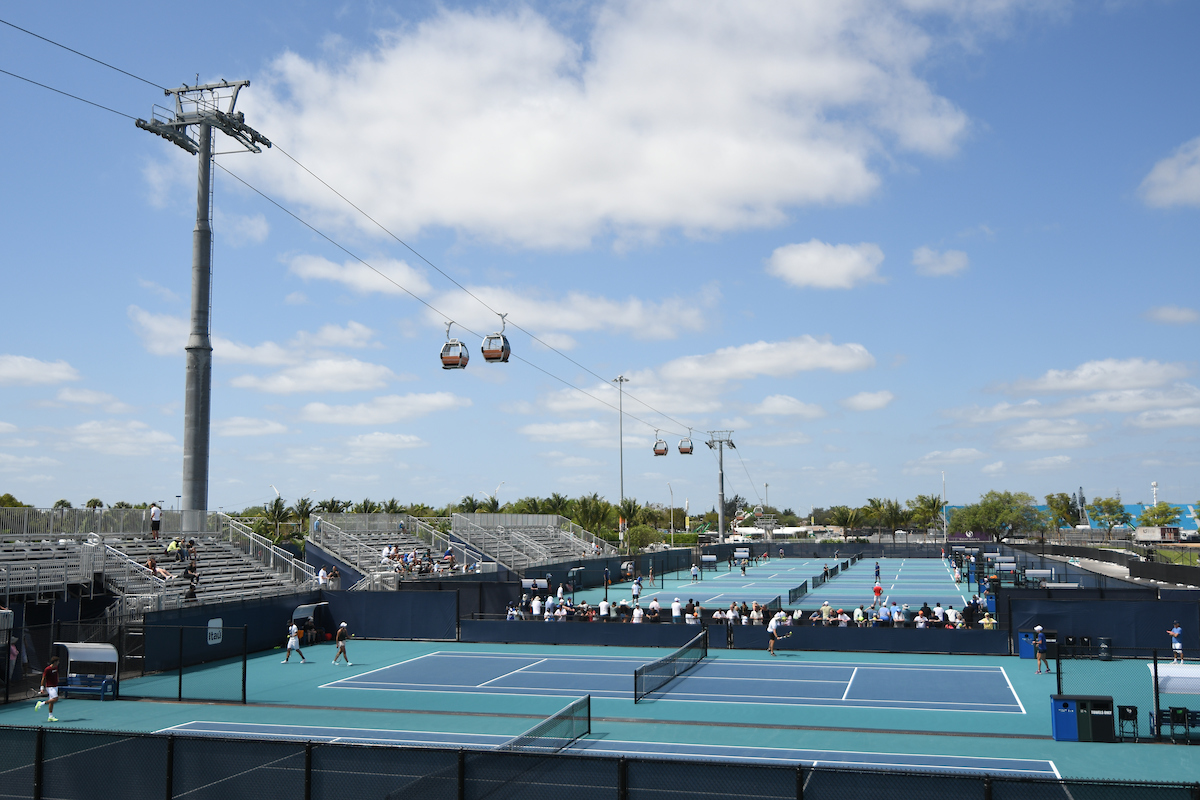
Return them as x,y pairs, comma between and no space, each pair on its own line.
269,555
441,542
354,551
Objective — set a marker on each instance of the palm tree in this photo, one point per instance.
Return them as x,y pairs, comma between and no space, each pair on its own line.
874,510
591,511
926,511
302,509
468,505
276,514
557,504
333,505
846,518
420,510
629,510
393,507
896,516
367,506
491,505
528,505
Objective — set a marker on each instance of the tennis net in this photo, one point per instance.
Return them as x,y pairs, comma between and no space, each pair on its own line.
657,674
556,732
796,593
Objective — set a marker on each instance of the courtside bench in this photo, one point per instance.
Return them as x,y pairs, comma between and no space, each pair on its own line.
90,684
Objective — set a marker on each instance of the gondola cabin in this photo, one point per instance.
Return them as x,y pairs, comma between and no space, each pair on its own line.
685,447
495,348
455,355
660,448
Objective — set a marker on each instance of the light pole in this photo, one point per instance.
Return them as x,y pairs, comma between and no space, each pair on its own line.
620,380
944,531
672,491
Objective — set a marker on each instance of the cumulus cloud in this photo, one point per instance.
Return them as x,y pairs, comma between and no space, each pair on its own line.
1045,434
1173,315
1167,418
247,426
163,292
238,231
90,397
378,446
166,335
933,263
594,433
518,133
1174,181
319,375
1122,401
995,468
781,439
26,371
933,461
360,278
1048,464
773,359
354,334
21,464
781,405
385,410
1109,373
868,401
127,438
7,427
819,265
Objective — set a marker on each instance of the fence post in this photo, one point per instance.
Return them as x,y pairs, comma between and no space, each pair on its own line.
180,629
170,766
622,779
462,774
1058,660
39,750
799,782
308,748
1157,727
245,650
987,787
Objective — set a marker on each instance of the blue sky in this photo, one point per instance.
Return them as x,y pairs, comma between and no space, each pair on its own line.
878,241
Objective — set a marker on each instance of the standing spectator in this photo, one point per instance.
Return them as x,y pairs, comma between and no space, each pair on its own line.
604,609
536,607
155,521
1176,633
988,621
322,578
676,611
927,611
939,613
636,589
826,613
885,616
1039,646
951,615
335,578
340,637
49,688
652,610
695,573
638,614
756,615
859,616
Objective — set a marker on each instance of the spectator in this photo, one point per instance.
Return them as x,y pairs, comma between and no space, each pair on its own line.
939,613
989,622
322,578
652,610
859,616
878,594
335,578
921,620
756,615
604,607
676,611
885,617
927,611
826,613
951,615
310,631
536,605
638,614
843,619
156,570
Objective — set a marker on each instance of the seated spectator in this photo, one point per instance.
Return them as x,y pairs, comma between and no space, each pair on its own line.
927,611
950,615
310,631
921,620
843,619
756,615
939,613
652,610
638,614
156,570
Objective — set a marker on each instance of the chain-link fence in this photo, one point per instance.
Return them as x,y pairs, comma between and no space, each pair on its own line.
1144,684
45,763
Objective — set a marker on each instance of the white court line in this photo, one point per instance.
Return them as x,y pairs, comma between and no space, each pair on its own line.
849,682
1011,689
513,672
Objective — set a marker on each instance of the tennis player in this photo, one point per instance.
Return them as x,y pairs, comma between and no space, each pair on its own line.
340,637
293,643
49,688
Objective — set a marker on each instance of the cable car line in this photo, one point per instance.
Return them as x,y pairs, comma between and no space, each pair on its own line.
82,55
65,94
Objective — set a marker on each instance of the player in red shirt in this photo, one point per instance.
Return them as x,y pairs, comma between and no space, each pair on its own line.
878,592
49,687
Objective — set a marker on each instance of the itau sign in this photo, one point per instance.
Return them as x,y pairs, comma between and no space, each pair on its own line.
216,630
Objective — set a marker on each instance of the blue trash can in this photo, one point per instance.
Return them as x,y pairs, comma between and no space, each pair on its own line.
1064,718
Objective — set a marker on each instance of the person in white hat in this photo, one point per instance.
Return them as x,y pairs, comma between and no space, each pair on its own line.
676,611
340,637
1039,647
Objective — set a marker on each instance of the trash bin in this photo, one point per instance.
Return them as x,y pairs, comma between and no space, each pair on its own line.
1105,645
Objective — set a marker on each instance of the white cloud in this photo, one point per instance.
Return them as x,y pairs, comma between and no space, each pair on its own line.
354,334
378,446
995,468
592,432
163,292
826,266
7,427
1045,434
931,462
1048,464
781,405
518,133
1167,418
781,439
166,335
774,359
247,426
360,278
90,397
128,438
934,263
26,371
11,463
385,410
571,461
1122,401
320,375
577,312
237,230
1109,373
1174,181
869,401
296,299
1173,315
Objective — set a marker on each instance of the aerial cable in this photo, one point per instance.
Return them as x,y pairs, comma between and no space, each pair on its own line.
66,94
82,55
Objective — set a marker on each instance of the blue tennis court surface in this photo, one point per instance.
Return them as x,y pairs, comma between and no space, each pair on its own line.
788,681
609,747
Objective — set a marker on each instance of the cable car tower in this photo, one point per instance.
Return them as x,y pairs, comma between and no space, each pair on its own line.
199,109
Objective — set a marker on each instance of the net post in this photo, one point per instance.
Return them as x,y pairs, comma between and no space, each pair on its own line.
308,750
587,707
245,651
170,767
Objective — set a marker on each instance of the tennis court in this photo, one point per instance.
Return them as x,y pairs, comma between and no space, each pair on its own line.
727,680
